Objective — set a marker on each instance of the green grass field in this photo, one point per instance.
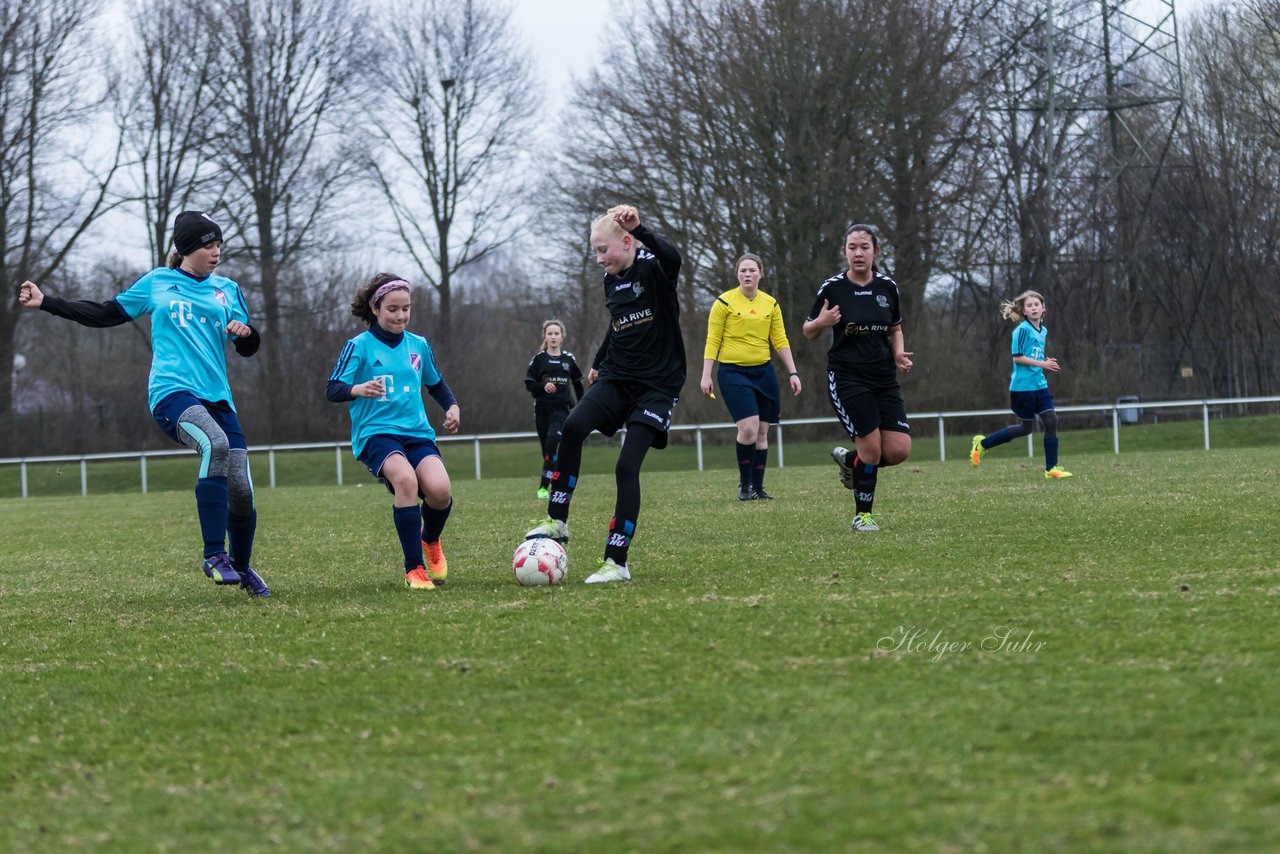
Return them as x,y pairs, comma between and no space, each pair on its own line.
1012,664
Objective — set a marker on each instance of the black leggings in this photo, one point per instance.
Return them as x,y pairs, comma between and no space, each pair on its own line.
640,437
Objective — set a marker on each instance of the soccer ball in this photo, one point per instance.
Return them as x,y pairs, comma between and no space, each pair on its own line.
539,562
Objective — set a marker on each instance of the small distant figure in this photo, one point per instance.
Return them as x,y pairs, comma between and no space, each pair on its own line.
1028,389
381,372
551,372
743,323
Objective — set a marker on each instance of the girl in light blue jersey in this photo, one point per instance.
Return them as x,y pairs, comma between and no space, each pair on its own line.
381,373
194,314
1028,388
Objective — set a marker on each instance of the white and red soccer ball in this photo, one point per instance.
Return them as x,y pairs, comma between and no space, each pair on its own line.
540,562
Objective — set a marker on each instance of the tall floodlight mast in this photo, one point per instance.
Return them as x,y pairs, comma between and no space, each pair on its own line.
1088,95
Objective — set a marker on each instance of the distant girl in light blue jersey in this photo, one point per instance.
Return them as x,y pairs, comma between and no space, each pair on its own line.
193,316
1028,388
382,372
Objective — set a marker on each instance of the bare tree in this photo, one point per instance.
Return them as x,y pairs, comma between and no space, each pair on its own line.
289,77
165,109
50,191
770,126
455,126
1220,219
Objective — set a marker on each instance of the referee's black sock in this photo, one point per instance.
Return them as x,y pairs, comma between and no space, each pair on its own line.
757,467
746,458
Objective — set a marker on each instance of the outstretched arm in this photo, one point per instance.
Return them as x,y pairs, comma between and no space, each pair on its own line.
83,311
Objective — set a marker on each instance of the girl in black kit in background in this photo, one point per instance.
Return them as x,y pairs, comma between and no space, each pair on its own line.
548,378
860,306
641,367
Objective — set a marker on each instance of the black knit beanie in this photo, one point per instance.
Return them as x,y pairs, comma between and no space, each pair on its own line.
193,229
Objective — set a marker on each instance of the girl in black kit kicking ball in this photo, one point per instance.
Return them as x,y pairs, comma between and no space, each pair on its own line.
641,367
860,306
551,372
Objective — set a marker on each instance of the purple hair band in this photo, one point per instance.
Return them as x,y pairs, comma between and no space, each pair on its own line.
383,290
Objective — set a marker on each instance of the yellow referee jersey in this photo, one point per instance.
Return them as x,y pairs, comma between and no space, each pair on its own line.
740,330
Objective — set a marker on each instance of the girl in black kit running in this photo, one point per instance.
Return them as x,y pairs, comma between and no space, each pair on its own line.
548,378
860,305
641,367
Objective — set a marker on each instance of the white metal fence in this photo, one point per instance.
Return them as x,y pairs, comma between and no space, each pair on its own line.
1120,411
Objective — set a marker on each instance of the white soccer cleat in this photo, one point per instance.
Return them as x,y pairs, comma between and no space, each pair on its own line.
552,529
609,572
840,456
864,522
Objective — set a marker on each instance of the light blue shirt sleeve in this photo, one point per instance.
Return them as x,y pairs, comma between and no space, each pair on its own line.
137,300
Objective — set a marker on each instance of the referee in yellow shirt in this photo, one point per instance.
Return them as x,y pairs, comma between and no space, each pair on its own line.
743,323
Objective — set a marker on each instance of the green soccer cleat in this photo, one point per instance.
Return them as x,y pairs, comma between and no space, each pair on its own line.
543,493
976,450
609,572
1057,472
552,529
864,522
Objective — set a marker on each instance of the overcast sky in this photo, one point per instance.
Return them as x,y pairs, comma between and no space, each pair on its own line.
565,36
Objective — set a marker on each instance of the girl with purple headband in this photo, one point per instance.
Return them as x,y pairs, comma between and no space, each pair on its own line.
381,373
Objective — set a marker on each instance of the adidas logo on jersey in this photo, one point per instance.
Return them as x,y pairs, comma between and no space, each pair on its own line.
377,363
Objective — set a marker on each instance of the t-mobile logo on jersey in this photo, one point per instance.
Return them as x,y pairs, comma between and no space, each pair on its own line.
388,384
180,311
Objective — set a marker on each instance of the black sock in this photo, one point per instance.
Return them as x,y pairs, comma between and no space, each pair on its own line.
619,541
757,470
746,456
864,486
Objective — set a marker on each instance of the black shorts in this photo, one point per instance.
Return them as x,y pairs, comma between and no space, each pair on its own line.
549,420
863,407
625,402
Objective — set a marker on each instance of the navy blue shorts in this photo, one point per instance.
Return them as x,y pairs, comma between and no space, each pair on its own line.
378,448
170,409
1028,404
750,390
